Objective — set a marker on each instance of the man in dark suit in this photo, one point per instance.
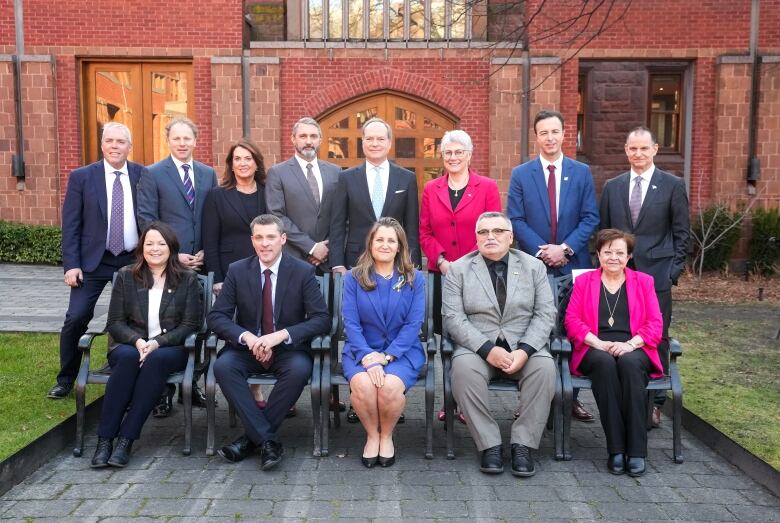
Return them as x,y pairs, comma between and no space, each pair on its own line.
301,191
653,206
278,309
99,234
552,205
369,191
174,190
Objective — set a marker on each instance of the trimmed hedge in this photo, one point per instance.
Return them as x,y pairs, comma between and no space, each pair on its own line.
764,248
22,243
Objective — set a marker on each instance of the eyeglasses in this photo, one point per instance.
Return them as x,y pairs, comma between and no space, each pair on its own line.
459,153
614,254
495,232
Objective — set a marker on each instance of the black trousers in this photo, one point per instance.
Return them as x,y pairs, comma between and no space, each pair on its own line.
137,386
81,309
619,388
292,369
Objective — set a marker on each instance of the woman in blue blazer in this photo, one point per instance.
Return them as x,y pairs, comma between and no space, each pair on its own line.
383,308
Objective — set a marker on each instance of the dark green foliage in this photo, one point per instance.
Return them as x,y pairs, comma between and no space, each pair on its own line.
764,248
22,243
716,219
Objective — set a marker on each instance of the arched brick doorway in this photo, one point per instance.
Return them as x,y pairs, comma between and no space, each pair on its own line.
417,131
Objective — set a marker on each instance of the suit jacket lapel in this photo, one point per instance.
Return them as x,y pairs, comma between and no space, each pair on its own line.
541,186
99,184
394,298
362,189
482,273
282,279
393,183
625,194
467,198
567,171
514,271
653,193
256,290
167,297
329,180
233,200
135,176
373,297
143,302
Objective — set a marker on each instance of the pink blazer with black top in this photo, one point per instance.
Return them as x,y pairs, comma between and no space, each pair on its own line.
582,315
448,232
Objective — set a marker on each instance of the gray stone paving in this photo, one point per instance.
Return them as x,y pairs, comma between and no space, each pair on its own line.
162,485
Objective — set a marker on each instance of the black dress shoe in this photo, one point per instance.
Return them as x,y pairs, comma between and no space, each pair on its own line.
238,450
58,391
352,416
616,464
492,463
635,467
198,397
165,403
270,454
579,412
292,412
121,454
386,462
102,453
522,462
369,462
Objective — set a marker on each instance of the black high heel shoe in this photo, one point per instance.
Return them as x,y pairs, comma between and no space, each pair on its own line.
386,462
369,463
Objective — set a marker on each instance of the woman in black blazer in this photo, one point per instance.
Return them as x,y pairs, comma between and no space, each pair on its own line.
231,207
155,305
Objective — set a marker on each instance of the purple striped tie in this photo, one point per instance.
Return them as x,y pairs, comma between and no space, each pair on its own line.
116,229
188,188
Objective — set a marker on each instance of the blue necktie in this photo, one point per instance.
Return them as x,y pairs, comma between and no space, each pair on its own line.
116,229
377,194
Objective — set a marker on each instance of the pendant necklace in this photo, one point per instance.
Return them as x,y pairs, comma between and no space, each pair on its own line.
611,310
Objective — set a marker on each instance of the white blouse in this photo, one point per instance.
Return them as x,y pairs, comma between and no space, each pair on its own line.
155,297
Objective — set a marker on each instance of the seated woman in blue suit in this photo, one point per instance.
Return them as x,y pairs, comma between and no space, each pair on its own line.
155,305
383,308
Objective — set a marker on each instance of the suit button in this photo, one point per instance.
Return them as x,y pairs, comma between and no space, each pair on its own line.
454,243
452,223
165,330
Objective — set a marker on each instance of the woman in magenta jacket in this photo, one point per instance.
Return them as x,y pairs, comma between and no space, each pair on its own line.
450,207
614,323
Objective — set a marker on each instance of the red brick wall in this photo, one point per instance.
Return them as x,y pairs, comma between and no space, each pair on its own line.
140,23
768,136
7,36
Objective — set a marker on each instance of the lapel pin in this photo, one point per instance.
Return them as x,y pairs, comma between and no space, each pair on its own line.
654,187
516,273
169,290
566,179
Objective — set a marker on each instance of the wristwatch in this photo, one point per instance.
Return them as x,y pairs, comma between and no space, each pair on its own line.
568,251
388,359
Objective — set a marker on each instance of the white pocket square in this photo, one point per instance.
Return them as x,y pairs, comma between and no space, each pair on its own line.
400,191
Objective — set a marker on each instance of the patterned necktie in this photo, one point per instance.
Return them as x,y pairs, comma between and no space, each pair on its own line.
268,309
553,206
116,229
635,202
188,188
498,269
315,190
377,194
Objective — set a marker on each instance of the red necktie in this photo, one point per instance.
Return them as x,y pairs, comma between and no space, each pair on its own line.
553,207
268,309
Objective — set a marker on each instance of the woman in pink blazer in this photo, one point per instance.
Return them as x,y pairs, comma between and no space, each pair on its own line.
614,323
450,207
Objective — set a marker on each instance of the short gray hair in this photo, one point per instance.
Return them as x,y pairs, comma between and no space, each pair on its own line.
456,136
376,119
493,214
116,125
306,120
267,219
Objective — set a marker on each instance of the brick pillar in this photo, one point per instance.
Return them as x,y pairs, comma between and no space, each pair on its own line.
505,123
266,111
225,113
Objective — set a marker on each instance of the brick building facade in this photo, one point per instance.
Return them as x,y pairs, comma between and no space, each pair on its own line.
463,72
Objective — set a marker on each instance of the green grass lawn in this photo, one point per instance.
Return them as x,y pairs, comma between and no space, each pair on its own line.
28,367
731,371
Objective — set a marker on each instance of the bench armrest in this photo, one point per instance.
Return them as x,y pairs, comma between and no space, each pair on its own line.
85,342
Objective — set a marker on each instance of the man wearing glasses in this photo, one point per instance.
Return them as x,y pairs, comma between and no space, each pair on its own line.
498,310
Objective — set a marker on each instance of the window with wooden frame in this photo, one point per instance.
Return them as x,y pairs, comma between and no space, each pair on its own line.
582,98
664,109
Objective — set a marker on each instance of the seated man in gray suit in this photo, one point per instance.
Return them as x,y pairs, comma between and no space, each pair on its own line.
498,310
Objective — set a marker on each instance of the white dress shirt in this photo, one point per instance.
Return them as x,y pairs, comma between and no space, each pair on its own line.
315,168
558,163
645,181
130,226
178,165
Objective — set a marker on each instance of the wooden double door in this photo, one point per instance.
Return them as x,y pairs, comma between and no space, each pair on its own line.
145,96
417,132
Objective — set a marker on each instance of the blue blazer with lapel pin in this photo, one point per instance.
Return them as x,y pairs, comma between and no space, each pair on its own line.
528,206
161,196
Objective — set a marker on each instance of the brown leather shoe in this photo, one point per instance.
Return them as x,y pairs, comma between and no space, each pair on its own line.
656,421
579,413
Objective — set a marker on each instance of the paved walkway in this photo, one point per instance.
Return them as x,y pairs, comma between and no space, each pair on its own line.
161,484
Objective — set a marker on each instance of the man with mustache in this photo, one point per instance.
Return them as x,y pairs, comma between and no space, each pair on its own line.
301,192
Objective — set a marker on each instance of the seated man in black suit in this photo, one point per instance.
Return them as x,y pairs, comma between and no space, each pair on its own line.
278,308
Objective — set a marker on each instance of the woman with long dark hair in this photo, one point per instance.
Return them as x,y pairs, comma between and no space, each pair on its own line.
155,305
383,308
